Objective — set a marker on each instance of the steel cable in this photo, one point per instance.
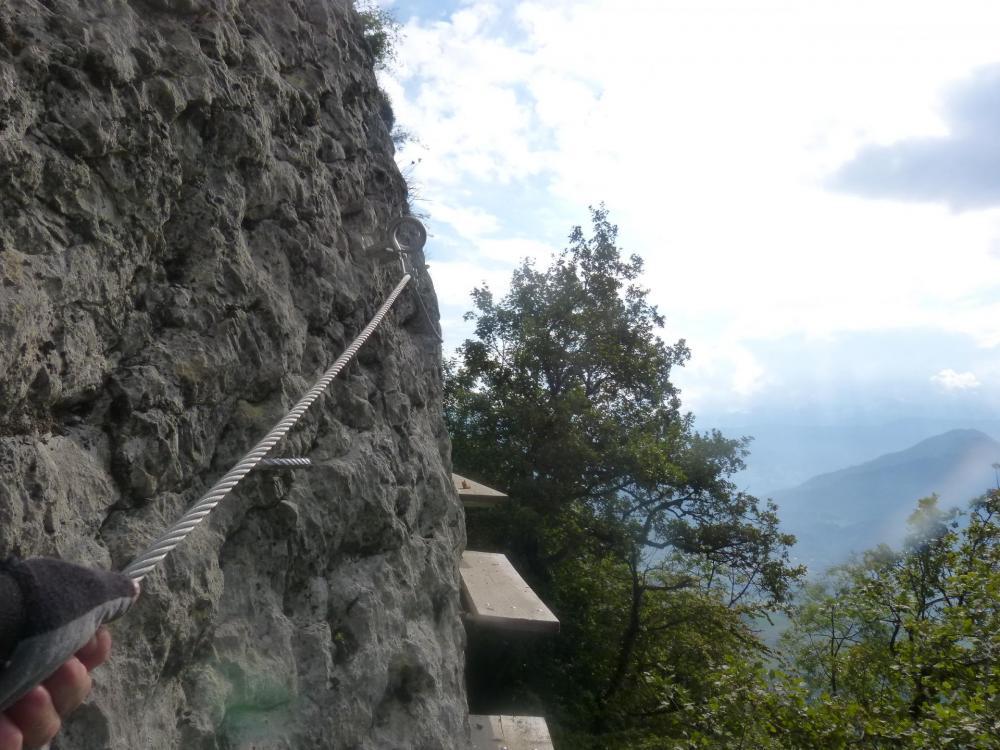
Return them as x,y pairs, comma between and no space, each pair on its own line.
430,321
152,556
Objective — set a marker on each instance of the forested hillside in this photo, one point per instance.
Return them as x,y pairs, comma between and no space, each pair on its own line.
850,510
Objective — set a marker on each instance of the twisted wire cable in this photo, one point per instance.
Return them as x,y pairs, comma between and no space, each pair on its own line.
434,327
153,555
283,463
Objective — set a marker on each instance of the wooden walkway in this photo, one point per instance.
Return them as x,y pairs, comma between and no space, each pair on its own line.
495,595
510,732
476,495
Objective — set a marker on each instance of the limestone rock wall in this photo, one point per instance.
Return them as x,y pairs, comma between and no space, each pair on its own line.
186,189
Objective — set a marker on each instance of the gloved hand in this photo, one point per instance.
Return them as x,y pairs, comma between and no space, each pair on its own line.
49,610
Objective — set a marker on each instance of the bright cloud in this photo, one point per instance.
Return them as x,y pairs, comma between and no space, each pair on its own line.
961,168
710,129
956,381
453,280
467,221
730,369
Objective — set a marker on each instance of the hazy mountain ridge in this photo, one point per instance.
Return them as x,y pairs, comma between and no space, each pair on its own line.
786,451
855,508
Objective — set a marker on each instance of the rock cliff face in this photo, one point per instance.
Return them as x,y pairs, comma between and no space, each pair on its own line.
186,190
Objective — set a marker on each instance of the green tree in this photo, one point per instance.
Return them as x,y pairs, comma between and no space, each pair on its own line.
380,31
623,516
901,648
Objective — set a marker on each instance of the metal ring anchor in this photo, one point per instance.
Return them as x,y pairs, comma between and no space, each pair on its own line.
407,234
403,236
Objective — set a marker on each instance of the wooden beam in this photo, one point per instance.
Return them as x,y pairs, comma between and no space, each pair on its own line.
497,596
510,732
476,495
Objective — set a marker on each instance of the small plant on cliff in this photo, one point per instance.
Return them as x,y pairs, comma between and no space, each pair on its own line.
381,33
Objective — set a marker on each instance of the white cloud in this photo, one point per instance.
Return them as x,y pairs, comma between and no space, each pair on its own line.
747,373
480,261
454,280
956,381
708,127
723,377
468,221
513,250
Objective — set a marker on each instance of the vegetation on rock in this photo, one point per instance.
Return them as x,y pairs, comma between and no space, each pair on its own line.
380,31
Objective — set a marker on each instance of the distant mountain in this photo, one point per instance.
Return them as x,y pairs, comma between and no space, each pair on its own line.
785,452
856,508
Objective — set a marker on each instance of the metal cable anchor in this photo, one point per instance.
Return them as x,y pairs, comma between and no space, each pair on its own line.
284,463
403,236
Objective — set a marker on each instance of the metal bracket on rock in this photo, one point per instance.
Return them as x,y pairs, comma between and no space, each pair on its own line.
284,463
405,235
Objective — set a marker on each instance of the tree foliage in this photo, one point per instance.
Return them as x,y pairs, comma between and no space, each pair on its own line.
903,645
380,31
626,520
623,516
565,376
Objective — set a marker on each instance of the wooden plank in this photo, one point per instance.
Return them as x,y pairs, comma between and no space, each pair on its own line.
476,495
497,596
510,732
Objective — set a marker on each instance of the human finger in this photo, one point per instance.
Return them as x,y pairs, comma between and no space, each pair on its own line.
97,650
36,717
10,735
69,686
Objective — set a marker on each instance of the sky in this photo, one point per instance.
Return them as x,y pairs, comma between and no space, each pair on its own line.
814,186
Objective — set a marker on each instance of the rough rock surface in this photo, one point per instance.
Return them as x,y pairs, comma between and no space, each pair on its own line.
186,190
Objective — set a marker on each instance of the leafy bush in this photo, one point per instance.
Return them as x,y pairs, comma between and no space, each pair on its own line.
381,33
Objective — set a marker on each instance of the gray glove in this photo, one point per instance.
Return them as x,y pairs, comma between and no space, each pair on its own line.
49,609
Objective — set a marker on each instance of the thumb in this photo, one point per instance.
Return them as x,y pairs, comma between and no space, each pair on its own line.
49,609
